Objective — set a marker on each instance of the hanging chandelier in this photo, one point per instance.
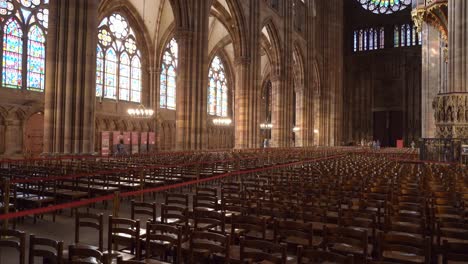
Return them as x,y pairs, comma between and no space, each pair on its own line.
222,121
140,112
384,6
266,126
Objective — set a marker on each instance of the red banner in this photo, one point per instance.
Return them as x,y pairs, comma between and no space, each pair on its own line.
105,143
135,143
151,141
144,142
116,138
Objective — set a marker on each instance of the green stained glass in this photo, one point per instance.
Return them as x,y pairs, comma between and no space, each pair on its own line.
385,6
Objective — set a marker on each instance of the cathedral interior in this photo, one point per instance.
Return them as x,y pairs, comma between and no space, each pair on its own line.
325,131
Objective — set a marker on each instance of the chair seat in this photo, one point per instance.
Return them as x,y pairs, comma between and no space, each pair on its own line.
402,256
114,254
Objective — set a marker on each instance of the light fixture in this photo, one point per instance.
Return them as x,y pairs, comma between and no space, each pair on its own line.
222,121
266,126
296,129
140,112
316,131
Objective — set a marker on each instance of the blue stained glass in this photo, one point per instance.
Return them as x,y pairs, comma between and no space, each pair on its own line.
12,55
118,70
136,80
168,82
110,88
36,59
217,88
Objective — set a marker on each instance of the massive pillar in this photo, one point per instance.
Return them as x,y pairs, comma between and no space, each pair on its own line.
247,90
283,86
329,41
311,96
192,78
70,76
434,76
451,108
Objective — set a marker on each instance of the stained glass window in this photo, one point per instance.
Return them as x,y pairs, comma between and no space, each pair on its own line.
118,67
368,39
356,35
406,35
24,24
396,36
168,76
217,89
384,6
382,38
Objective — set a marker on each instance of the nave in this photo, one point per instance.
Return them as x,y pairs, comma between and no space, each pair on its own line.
321,205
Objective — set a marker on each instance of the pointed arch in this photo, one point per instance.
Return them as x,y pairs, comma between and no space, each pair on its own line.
275,43
298,59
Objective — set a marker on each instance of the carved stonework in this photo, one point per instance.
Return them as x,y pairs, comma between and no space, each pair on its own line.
451,115
433,12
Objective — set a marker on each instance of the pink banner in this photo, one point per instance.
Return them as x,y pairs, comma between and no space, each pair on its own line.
144,142
127,141
116,137
135,143
105,143
151,141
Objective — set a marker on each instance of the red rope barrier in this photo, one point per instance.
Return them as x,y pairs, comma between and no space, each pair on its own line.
108,172
70,205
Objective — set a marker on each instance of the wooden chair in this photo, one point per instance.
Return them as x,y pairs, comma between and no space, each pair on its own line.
209,221
205,202
143,209
318,256
404,248
81,255
261,250
49,250
249,227
346,240
164,240
15,240
172,214
454,252
206,247
295,234
176,199
123,232
93,221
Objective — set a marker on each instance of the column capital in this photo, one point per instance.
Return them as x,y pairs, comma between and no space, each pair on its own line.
242,61
183,34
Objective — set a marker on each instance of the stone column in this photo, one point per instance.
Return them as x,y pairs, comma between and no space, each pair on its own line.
192,79
301,122
433,72
451,108
283,87
71,77
248,87
310,104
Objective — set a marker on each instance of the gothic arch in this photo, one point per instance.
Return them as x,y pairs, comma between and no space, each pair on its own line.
167,37
233,21
275,48
123,7
239,29
298,71
143,39
316,80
